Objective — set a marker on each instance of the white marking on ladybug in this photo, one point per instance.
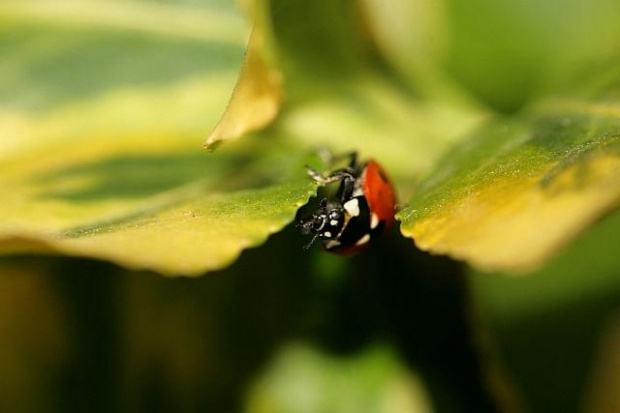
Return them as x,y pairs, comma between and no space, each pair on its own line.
352,207
363,240
358,192
333,222
327,234
374,221
332,243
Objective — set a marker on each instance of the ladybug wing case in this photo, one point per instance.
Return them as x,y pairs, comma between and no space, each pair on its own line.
380,195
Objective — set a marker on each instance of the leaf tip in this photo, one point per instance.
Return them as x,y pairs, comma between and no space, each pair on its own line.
256,99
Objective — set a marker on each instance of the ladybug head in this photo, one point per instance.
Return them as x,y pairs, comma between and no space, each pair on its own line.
326,222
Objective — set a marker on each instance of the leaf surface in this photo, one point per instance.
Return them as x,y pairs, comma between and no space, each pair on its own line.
257,97
519,189
101,123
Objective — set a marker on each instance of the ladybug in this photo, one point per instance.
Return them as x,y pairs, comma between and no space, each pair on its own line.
360,211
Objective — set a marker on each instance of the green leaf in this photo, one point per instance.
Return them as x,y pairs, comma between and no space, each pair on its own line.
166,207
519,189
173,209
301,379
101,122
414,38
508,53
100,130
87,89
257,97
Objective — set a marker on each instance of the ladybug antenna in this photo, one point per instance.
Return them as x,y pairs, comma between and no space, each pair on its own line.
308,245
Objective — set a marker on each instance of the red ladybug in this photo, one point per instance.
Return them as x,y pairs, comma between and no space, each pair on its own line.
362,209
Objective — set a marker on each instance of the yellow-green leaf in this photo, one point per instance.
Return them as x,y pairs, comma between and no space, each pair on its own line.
256,99
101,123
169,208
520,189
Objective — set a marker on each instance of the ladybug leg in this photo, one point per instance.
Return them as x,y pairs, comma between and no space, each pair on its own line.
346,189
335,176
352,159
345,176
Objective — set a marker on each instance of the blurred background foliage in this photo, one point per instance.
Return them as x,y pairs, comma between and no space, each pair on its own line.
282,329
